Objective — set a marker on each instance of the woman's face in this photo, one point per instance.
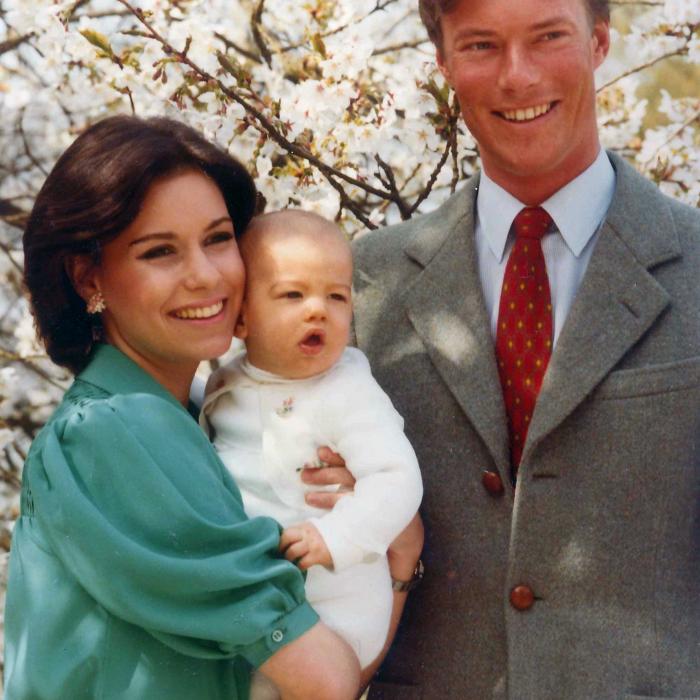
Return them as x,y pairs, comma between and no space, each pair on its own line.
173,280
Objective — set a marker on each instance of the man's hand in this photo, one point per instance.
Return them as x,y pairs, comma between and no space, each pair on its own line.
304,545
336,473
406,549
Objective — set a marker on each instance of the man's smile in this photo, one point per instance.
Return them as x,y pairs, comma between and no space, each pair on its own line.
526,114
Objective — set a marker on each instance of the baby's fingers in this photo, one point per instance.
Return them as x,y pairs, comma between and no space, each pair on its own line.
289,536
296,551
307,561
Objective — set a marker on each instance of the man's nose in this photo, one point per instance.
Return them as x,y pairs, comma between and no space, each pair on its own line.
518,69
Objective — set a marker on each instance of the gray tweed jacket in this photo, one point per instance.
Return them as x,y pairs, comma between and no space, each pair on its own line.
604,524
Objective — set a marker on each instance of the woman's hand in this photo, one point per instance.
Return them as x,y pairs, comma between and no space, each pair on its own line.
335,474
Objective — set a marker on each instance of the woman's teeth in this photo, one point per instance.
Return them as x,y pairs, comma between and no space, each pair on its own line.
200,311
523,115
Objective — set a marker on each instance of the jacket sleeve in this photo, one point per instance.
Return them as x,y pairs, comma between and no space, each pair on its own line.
368,432
138,507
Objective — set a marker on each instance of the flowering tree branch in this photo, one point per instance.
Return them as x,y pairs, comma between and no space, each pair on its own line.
271,127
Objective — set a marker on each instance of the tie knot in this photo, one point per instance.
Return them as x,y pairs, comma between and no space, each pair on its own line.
532,222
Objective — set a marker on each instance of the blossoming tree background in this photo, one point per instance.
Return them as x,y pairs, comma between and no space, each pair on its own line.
335,105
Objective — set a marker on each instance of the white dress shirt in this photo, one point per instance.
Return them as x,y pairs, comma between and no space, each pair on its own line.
578,210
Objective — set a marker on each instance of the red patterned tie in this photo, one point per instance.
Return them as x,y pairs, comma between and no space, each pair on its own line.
524,336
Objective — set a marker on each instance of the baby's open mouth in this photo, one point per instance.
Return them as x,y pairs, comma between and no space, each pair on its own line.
312,342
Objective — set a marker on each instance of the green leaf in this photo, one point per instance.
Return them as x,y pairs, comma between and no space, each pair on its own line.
318,45
232,67
98,40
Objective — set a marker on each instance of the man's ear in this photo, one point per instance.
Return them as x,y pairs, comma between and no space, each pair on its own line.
241,328
600,41
82,272
440,59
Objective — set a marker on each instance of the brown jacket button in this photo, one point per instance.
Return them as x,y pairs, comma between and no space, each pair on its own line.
522,597
492,483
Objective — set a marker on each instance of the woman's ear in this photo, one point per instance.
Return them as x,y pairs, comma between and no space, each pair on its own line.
82,272
241,329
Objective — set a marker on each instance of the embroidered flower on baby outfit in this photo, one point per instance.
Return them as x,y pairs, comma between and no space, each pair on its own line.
286,408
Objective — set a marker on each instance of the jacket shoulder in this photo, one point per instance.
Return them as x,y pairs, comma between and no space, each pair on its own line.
385,246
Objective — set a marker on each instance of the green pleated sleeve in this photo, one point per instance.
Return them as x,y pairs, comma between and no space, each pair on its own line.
134,501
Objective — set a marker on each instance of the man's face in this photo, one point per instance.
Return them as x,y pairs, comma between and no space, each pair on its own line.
523,73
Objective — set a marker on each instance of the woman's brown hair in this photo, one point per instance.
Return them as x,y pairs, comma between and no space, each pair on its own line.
93,193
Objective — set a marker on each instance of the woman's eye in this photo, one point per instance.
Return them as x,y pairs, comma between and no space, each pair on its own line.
160,251
219,237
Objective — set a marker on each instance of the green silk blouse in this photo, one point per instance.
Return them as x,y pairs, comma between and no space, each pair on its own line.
134,571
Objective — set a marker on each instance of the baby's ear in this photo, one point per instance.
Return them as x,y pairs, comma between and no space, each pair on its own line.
241,328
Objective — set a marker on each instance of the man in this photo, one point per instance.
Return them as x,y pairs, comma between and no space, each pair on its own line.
555,408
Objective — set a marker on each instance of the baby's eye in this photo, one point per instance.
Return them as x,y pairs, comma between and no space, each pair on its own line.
338,297
292,295
159,251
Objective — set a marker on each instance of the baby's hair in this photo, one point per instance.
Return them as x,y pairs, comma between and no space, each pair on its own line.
291,222
298,216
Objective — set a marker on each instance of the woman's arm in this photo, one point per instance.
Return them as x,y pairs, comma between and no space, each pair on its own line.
318,665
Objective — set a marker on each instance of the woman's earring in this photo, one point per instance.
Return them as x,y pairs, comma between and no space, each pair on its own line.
96,303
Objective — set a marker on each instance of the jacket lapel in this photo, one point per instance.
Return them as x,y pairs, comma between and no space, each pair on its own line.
445,305
618,301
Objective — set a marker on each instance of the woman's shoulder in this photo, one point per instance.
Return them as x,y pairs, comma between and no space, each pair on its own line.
89,409
110,442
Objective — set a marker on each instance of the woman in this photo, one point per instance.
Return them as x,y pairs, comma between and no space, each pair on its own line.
134,572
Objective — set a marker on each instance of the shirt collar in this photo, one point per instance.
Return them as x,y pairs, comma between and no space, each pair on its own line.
111,370
578,208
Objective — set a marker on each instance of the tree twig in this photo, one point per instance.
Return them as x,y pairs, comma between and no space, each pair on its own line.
256,25
11,44
676,132
678,52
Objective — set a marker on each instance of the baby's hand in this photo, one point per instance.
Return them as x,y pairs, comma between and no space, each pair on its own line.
304,545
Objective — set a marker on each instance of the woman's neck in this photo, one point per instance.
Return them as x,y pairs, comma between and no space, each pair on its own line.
175,376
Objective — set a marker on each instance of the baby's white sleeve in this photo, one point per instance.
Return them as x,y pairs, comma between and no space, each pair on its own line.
368,433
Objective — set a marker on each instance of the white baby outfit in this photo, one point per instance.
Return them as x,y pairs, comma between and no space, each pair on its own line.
265,428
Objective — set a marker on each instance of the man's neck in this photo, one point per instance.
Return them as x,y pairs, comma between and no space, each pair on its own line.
534,189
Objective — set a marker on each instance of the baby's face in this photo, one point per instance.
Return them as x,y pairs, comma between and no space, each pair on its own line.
297,311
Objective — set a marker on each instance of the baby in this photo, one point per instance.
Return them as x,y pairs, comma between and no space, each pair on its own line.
298,387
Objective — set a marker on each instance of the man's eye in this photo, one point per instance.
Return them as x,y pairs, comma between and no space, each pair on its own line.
550,36
479,46
160,251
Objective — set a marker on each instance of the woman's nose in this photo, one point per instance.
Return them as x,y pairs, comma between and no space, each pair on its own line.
200,272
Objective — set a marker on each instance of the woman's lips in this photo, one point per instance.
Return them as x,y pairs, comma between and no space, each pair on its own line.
199,313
